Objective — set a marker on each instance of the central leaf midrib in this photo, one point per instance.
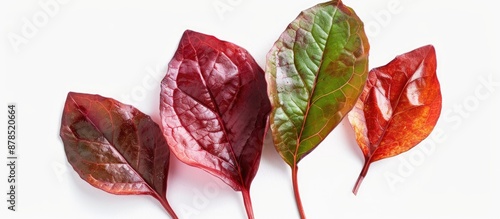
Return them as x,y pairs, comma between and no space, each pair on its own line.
299,137
218,114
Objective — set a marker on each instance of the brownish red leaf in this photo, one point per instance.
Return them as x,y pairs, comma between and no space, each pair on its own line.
115,147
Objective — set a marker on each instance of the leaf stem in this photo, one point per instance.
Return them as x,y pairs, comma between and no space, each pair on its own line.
165,205
296,191
248,202
362,175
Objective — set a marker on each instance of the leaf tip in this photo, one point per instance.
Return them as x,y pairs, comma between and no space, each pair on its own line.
428,47
72,94
188,32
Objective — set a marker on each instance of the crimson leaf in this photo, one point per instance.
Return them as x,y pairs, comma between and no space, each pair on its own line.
214,109
115,147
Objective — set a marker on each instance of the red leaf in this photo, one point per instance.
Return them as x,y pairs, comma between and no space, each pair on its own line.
399,106
214,109
115,147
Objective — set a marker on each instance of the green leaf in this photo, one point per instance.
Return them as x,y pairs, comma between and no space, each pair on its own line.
315,71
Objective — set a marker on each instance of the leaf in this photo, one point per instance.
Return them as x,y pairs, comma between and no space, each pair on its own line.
398,108
315,72
214,109
115,147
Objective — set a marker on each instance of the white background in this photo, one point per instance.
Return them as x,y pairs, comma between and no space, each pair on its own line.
111,48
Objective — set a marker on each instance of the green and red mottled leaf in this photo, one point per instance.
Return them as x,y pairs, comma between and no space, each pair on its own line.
214,109
115,147
399,106
315,71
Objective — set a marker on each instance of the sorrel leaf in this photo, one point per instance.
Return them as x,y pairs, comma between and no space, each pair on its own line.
115,147
315,71
214,109
399,107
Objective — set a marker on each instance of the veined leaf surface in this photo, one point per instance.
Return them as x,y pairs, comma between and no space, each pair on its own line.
315,72
214,109
399,106
115,147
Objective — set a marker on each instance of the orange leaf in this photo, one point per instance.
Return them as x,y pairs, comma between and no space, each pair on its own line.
399,107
